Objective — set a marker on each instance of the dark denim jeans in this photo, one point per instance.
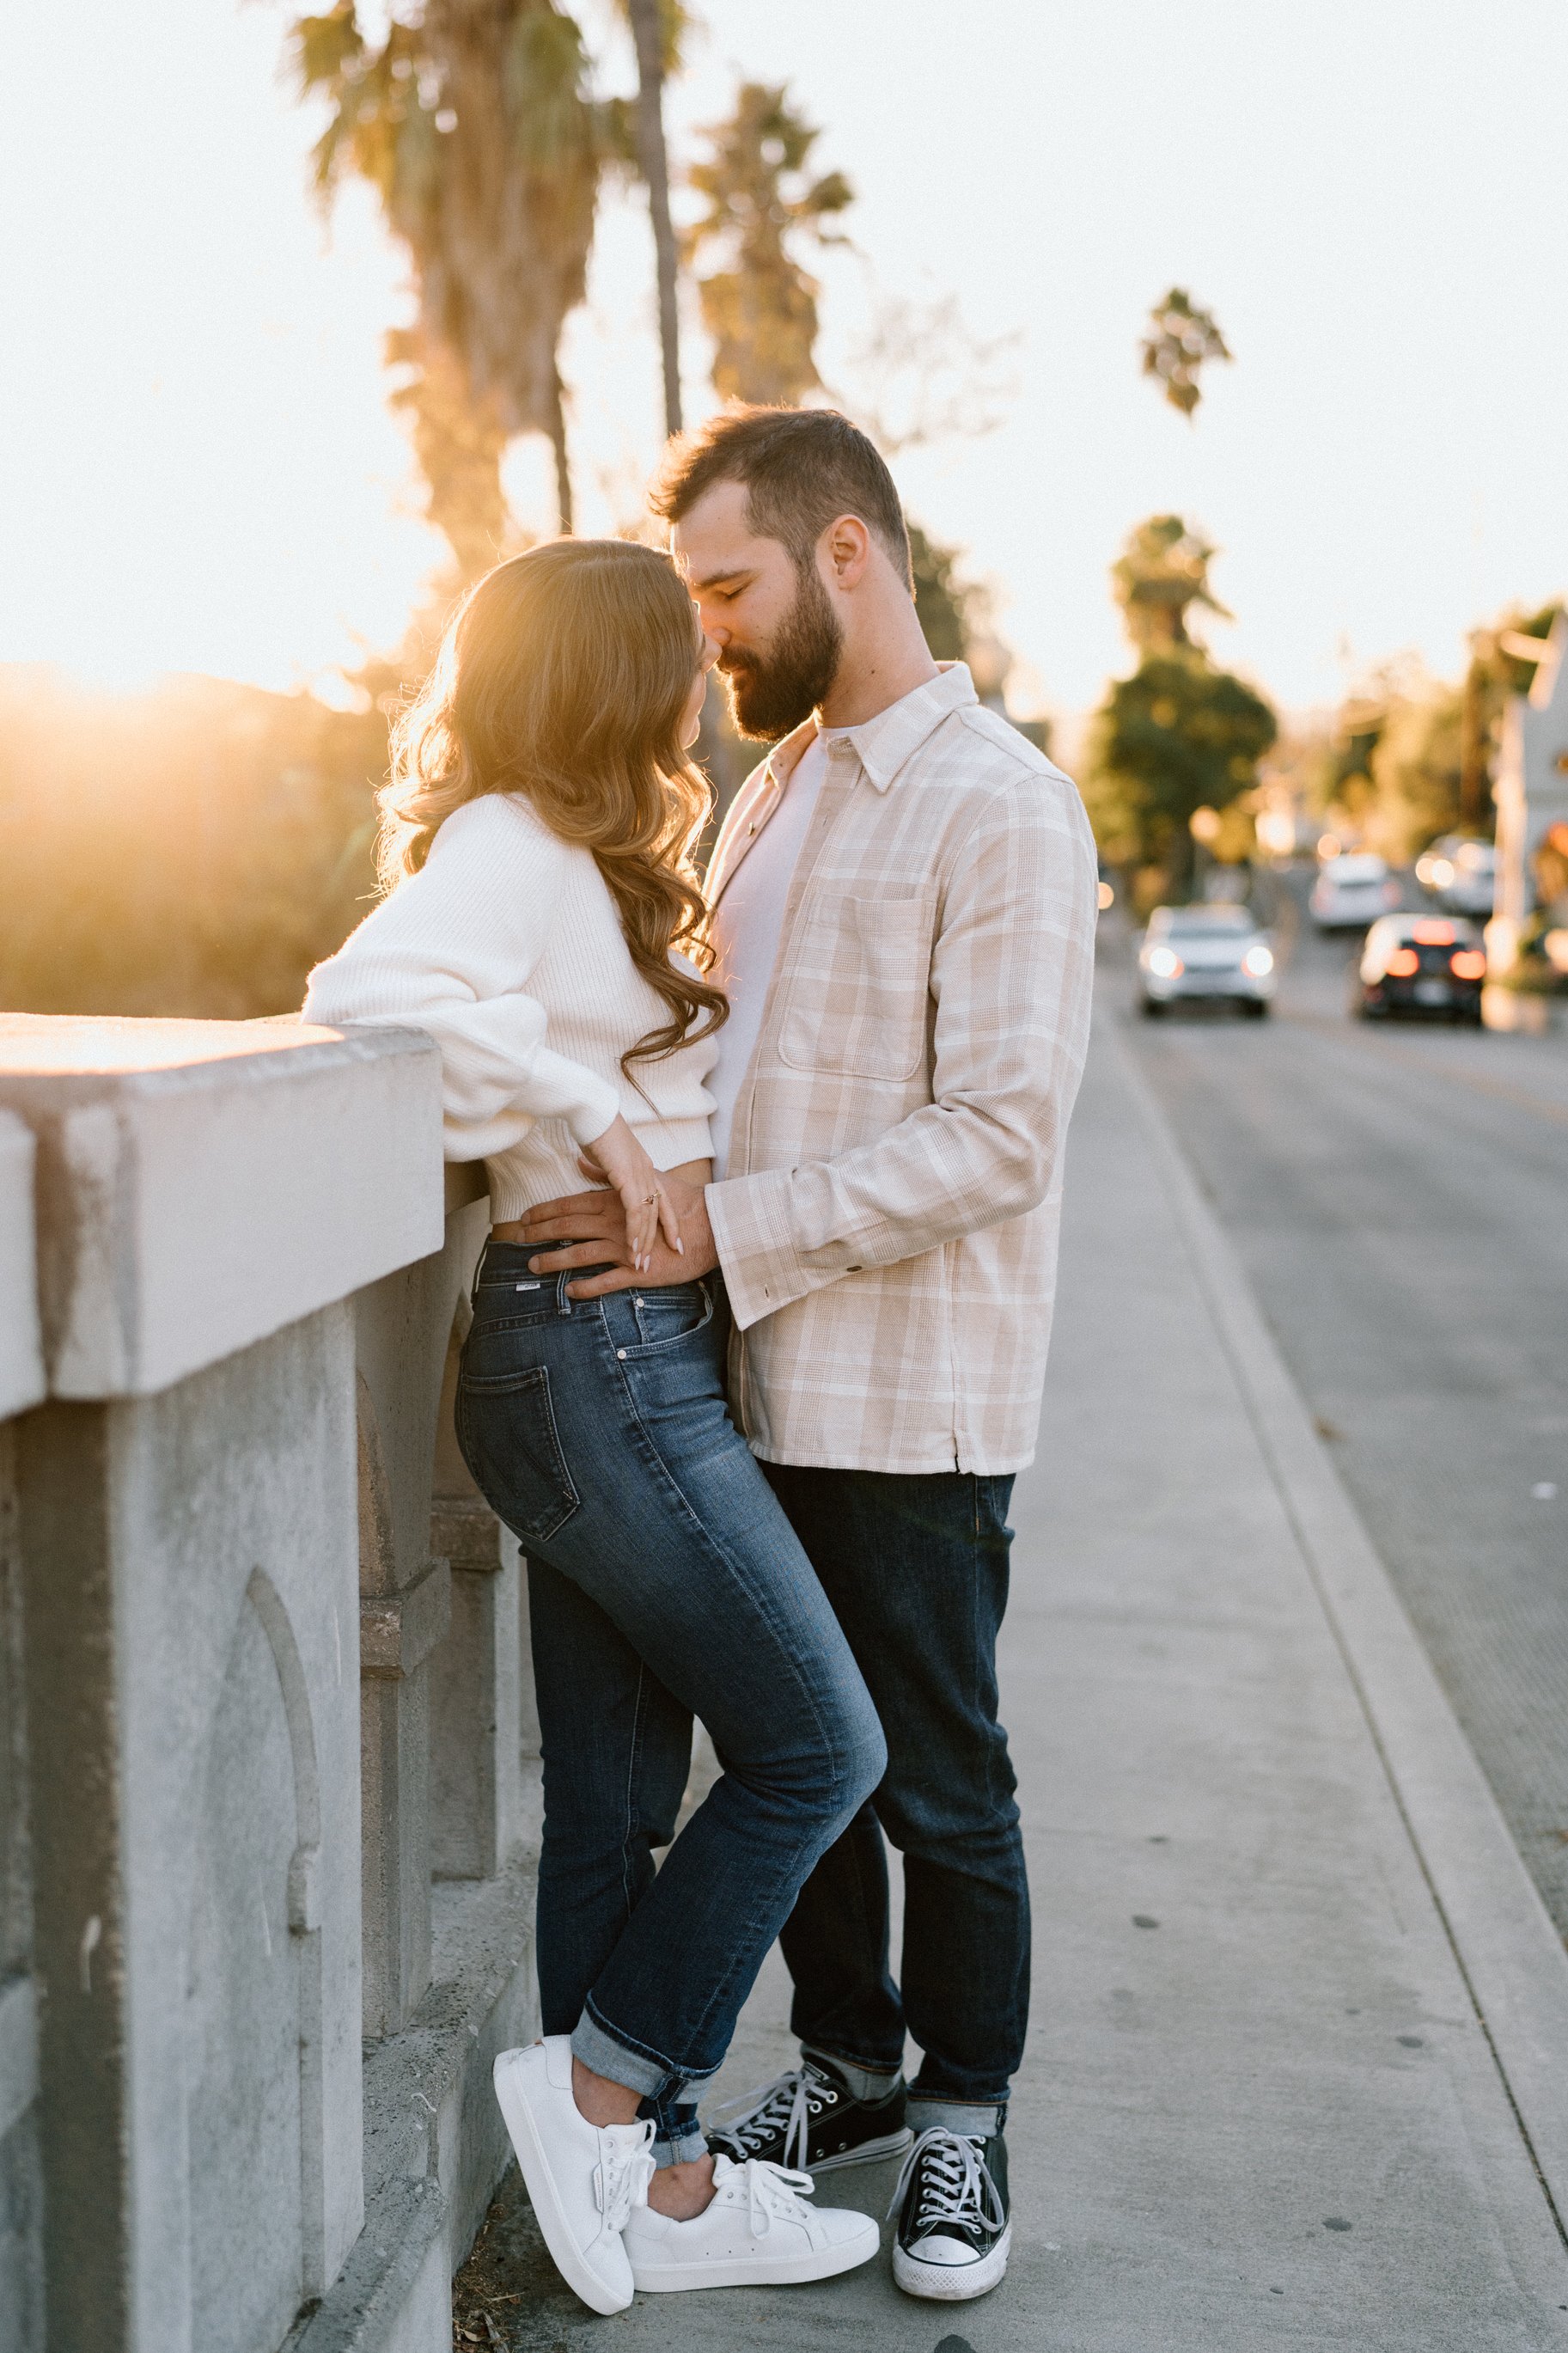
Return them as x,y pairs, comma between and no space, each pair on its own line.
916,1569
664,1582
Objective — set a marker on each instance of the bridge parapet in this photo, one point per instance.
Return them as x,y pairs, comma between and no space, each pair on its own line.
261,1676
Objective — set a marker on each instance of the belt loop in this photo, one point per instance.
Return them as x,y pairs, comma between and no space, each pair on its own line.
562,1280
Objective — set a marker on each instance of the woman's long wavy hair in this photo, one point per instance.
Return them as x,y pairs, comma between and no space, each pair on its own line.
562,676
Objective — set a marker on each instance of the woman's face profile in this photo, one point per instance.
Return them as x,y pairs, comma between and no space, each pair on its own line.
691,717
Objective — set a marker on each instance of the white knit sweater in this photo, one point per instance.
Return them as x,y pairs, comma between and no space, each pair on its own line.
507,947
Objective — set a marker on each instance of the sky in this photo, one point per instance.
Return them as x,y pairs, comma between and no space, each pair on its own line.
198,472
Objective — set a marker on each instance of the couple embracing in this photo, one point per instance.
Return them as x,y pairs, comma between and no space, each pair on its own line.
759,1332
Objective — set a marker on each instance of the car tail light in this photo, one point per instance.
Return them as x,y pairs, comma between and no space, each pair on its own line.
1403,961
1468,964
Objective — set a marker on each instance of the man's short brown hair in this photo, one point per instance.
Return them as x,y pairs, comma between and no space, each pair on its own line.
802,467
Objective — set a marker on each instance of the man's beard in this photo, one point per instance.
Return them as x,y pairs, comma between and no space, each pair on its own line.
770,693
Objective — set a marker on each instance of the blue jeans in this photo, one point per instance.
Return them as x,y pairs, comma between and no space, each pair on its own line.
916,1569
664,1582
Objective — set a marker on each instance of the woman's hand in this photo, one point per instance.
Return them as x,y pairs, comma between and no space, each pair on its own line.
628,1171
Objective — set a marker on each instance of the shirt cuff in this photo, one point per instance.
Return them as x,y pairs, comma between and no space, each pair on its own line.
762,1270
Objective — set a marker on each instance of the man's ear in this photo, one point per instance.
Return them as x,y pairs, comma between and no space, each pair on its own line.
846,548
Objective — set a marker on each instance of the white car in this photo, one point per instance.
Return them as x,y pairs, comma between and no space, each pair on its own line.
1351,892
1204,951
1461,875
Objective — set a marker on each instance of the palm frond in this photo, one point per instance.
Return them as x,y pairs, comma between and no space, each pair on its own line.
322,49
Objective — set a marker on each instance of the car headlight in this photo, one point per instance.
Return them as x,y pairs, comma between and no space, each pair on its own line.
1257,961
1164,964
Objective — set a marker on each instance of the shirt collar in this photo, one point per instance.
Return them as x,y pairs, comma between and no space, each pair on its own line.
885,744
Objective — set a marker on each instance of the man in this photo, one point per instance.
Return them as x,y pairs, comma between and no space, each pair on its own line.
904,898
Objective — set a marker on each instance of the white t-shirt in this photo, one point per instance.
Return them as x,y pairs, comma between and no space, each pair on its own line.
746,927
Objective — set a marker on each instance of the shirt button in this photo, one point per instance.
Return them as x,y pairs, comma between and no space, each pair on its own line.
622,1354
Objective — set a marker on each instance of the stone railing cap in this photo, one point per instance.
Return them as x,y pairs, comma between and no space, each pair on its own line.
201,1183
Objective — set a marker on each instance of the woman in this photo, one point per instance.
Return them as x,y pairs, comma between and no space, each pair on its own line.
539,905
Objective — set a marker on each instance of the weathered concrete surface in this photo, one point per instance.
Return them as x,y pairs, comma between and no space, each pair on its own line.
1259,2109
21,1344
21,2201
21,1384
434,2142
204,1183
187,1559
189,1575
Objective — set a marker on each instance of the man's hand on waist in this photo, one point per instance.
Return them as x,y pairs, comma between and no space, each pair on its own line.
590,1229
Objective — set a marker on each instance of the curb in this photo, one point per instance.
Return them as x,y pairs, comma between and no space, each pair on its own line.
1513,1960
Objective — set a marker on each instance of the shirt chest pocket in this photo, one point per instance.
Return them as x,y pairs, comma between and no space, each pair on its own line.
859,992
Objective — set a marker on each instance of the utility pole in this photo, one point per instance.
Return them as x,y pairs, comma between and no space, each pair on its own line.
654,163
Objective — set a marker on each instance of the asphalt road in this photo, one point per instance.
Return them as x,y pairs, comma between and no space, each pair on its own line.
1399,1196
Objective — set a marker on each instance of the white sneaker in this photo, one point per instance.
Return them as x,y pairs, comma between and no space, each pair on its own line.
583,2179
755,2233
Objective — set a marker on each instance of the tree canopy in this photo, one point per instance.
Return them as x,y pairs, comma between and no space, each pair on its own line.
761,204
472,121
1162,573
1181,340
1179,734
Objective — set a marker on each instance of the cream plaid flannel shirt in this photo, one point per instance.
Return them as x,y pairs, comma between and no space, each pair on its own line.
887,1223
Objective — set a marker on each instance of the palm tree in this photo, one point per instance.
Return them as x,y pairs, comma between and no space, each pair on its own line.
1161,574
759,305
1181,339
472,121
656,27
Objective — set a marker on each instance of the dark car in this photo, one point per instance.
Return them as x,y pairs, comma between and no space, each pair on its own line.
1421,965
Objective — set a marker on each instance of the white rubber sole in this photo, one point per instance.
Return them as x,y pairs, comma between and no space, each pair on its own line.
952,2282
539,2182
752,2271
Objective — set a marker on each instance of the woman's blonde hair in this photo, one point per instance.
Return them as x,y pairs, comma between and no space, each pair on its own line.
562,676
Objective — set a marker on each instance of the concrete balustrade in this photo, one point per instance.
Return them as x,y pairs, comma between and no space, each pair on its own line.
21,1384
261,1676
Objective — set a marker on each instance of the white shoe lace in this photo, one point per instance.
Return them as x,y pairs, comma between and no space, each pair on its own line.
621,2175
785,2105
956,2187
771,2193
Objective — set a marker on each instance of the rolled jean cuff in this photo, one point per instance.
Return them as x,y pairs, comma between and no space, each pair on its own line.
607,2056
866,2082
679,2138
682,2144
979,2118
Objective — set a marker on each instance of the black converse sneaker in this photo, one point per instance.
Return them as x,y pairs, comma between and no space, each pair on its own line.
955,2228
810,2119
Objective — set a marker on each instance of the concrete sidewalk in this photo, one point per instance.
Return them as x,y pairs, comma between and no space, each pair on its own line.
1266,2104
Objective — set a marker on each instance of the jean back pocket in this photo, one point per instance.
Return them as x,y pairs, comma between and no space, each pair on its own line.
507,1433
